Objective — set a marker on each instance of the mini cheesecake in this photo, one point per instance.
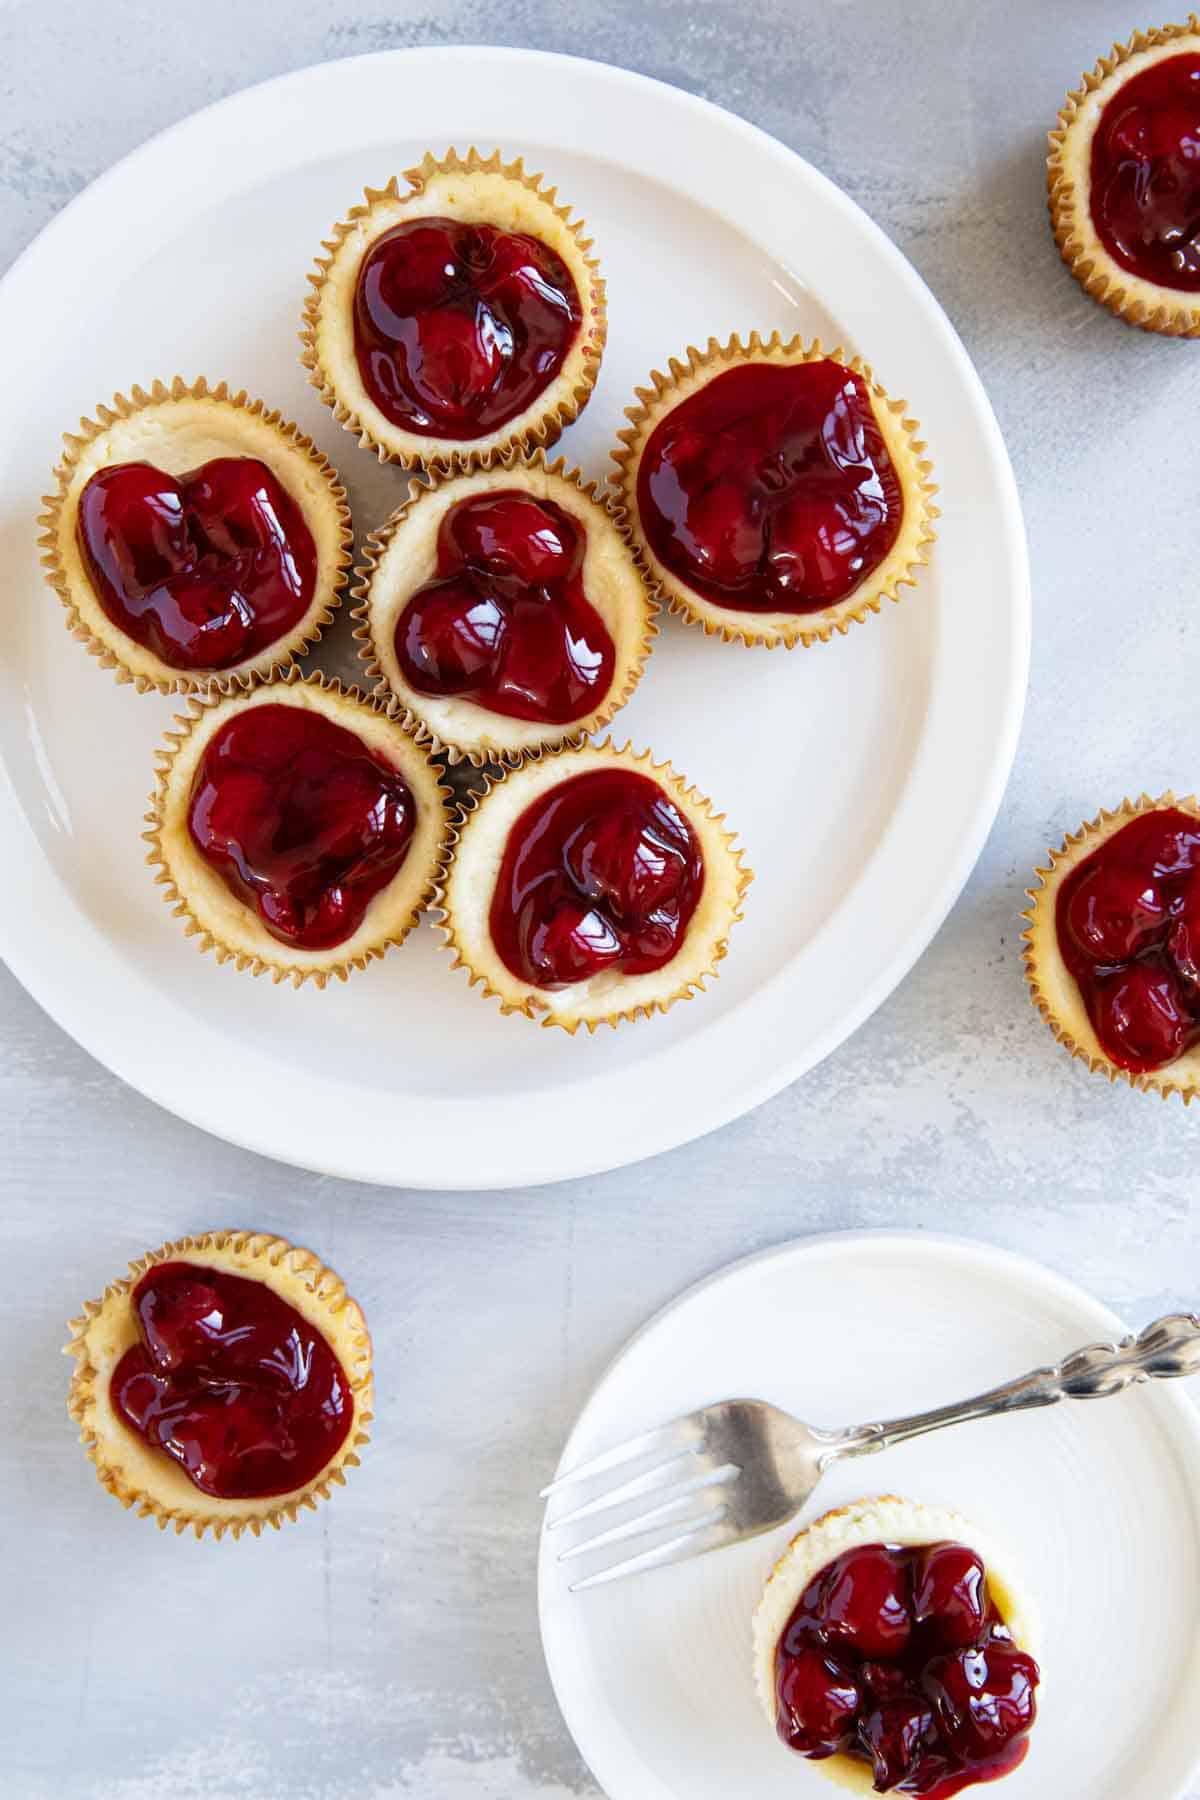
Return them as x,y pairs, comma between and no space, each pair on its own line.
224,1383
1112,952
892,1648
775,491
196,540
460,314
591,886
297,830
503,610
1123,176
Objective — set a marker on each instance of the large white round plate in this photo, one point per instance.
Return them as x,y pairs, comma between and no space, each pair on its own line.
1098,1504
862,776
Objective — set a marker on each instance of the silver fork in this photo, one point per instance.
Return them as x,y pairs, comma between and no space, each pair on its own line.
740,1467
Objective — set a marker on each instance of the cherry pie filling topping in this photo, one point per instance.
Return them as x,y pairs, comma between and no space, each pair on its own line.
205,570
602,872
302,821
505,622
231,1382
1145,174
900,1659
771,488
458,328
1128,927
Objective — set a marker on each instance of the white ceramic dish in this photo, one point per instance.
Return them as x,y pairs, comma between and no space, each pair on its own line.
1097,1503
862,776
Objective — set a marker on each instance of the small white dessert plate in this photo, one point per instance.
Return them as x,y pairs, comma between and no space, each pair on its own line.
862,777
1096,1503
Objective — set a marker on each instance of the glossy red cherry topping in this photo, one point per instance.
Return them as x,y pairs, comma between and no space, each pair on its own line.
900,1658
1145,174
302,821
205,569
601,872
458,328
1128,927
506,623
771,489
231,1382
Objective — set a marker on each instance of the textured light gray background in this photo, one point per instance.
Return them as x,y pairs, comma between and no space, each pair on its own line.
389,1647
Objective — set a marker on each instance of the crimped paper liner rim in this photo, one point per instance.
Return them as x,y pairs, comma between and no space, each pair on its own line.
1169,312
849,1772
915,471
325,1287
539,426
699,811
570,736
1044,967
200,706
115,651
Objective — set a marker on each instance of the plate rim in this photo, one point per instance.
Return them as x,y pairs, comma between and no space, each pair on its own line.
376,1159
1171,1396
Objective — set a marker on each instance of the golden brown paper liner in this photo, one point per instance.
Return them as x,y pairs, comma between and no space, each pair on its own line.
1139,302
564,736
908,454
543,422
113,648
284,1268
273,959
1046,972
868,1521
539,1005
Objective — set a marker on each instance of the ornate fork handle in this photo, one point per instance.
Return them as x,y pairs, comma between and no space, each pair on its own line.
1168,1348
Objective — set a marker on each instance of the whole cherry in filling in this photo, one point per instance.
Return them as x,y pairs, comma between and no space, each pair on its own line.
301,819
232,1382
506,622
1128,925
771,489
458,328
204,569
603,872
1145,174
899,1657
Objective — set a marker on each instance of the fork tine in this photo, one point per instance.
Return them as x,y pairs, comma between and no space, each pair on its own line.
653,1481
707,1534
666,1513
676,1434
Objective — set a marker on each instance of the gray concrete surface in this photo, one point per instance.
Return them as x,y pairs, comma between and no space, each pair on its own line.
390,1648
